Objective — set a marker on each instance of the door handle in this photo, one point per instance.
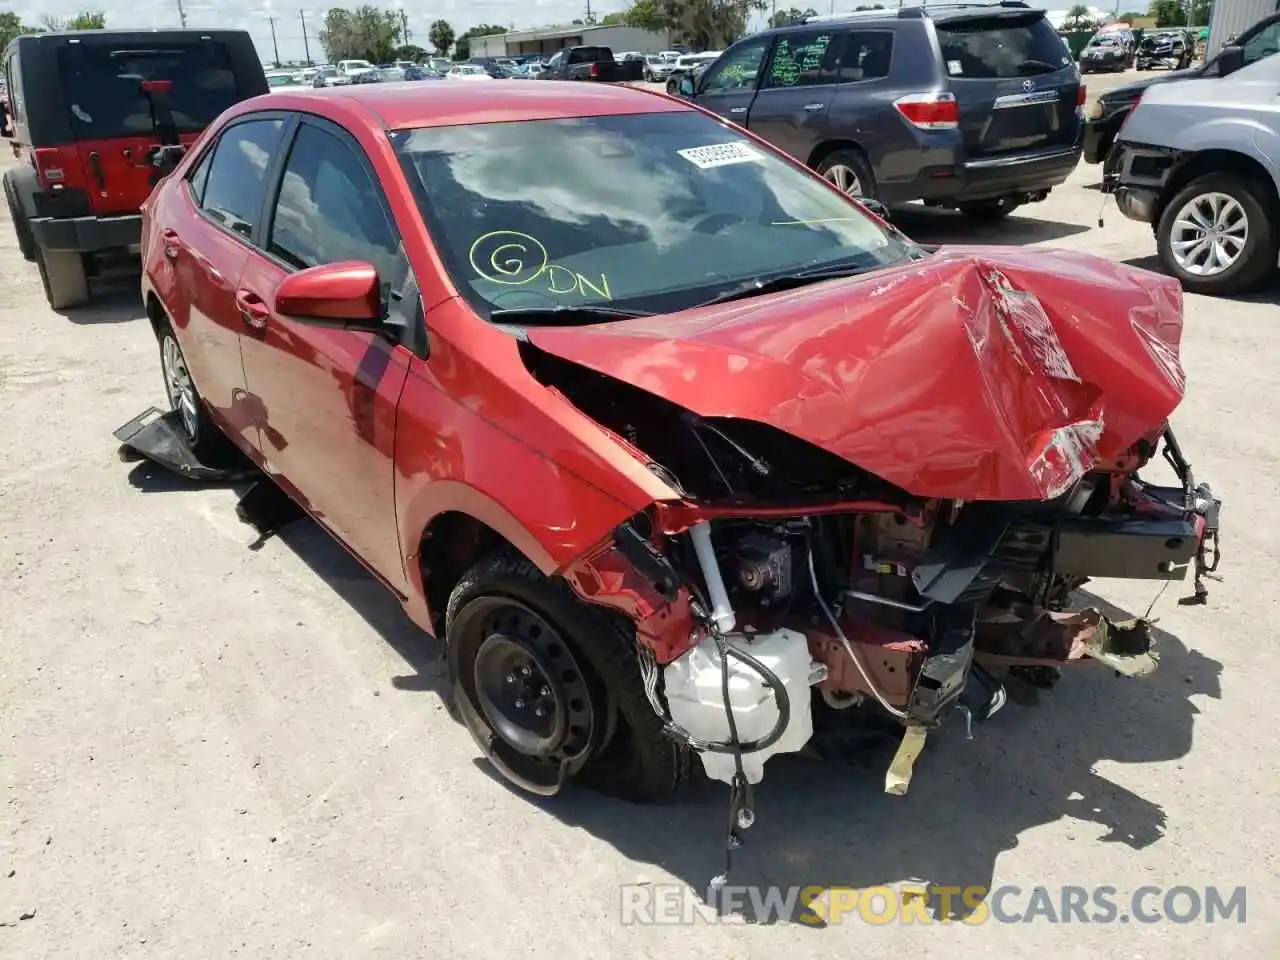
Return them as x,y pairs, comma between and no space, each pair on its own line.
737,109
171,241
252,308
814,107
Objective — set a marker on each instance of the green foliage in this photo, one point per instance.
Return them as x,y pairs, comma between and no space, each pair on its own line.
441,37
410,51
708,24
1079,18
781,18
1168,13
366,33
12,26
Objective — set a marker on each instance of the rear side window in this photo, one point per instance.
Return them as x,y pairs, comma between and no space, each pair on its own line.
103,86
1000,47
864,56
236,182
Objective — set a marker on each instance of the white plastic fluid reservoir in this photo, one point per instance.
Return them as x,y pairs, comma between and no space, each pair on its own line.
695,697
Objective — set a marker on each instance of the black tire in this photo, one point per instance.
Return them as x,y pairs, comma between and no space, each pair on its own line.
210,446
673,88
21,226
989,211
66,284
855,161
1262,245
627,754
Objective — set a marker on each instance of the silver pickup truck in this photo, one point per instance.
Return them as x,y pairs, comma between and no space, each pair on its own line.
1200,161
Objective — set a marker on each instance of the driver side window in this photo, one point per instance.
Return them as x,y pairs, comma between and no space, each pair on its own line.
1265,44
737,70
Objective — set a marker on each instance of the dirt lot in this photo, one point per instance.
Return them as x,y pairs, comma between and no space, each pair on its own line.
207,751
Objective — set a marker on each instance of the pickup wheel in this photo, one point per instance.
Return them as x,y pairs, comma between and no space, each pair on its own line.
1218,234
207,442
550,688
21,226
62,273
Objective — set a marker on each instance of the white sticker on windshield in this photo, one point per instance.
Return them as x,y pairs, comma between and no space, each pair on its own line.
721,155
955,67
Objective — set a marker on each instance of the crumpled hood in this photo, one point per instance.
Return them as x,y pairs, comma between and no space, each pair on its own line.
979,373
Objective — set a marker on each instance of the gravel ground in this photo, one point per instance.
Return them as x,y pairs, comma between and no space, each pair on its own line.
209,752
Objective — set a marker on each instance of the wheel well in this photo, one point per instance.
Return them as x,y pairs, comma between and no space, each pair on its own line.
1215,161
825,149
451,544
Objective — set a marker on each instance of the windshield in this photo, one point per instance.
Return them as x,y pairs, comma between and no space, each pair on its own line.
649,212
996,47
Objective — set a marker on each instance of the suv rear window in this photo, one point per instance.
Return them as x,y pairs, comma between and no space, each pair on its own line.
103,86
997,47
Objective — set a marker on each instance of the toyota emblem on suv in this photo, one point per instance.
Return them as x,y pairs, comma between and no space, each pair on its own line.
1028,85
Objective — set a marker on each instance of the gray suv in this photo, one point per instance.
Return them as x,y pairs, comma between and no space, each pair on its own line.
977,107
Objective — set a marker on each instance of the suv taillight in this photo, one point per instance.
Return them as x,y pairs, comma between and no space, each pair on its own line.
930,111
49,168
595,71
1082,96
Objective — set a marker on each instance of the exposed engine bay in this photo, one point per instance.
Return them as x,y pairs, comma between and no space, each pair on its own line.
786,575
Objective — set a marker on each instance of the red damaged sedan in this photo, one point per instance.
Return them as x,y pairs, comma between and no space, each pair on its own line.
680,449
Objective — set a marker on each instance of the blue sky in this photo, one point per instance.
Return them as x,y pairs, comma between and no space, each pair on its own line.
254,15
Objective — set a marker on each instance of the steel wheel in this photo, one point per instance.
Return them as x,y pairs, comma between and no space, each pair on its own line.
1209,234
178,386
845,178
529,689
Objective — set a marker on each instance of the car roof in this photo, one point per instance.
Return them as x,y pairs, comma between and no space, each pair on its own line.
503,101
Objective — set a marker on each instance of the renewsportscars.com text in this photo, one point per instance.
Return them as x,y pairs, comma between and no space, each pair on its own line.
675,904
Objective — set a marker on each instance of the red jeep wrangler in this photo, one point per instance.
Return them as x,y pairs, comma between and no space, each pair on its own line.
98,117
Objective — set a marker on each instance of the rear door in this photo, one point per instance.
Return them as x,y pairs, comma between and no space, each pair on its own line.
112,118
728,87
792,109
1014,81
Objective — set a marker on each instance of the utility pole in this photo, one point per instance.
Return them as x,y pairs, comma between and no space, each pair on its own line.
587,20
274,45
182,15
404,28
306,47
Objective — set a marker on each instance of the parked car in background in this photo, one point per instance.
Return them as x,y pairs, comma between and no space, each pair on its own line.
99,116
591,63
1106,114
420,73
282,80
657,68
467,71
391,74
554,430
1107,52
1165,50
440,65
689,64
329,77
965,106
353,68
1200,161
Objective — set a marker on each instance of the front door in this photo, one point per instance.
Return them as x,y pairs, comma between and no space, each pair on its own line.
729,85
206,247
327,398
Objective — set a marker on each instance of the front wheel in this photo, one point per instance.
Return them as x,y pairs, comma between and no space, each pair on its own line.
1218,235
550,688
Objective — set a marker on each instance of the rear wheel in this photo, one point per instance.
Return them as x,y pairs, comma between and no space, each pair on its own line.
1218,234
850,172
21,226
62,272
203,436
550,688
989,211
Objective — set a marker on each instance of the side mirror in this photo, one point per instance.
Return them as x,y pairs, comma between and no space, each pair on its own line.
345,295
1230,60
686,86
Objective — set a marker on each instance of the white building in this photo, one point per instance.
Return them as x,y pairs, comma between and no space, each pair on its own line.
547,40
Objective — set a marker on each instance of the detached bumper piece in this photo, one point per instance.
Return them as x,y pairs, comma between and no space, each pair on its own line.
157,436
